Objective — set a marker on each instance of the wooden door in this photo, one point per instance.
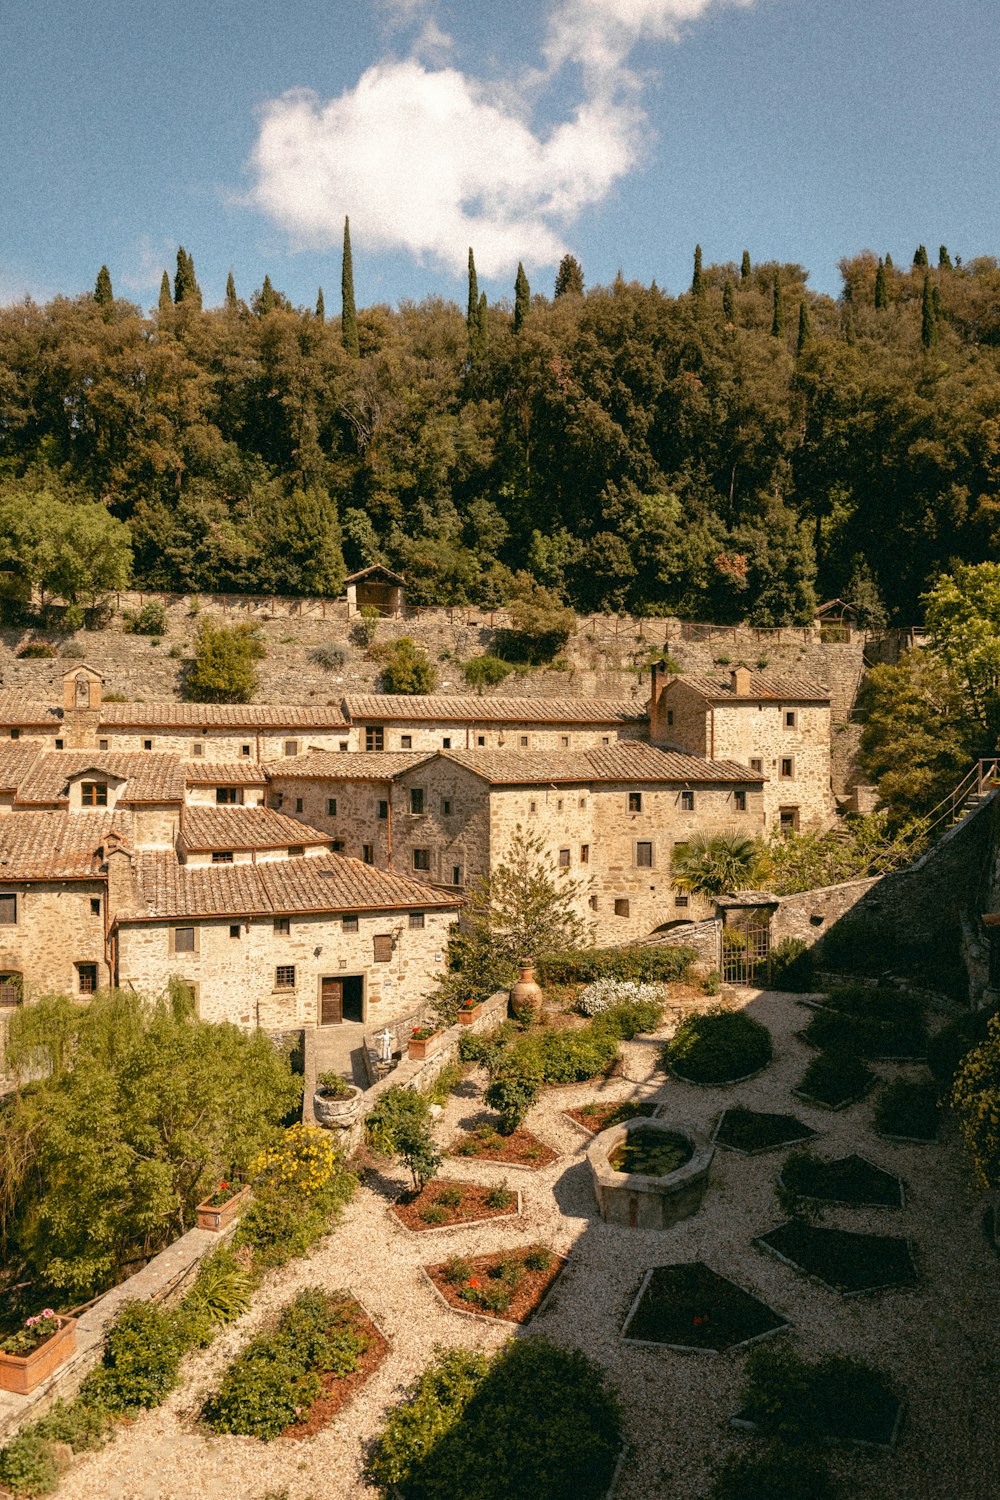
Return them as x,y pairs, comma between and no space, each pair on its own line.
331,1002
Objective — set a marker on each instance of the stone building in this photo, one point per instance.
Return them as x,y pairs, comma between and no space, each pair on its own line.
378,588
778,726
386,722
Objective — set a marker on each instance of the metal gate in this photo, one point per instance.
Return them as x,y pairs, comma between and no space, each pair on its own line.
746,951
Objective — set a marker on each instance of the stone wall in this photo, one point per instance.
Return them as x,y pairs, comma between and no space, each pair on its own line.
57,928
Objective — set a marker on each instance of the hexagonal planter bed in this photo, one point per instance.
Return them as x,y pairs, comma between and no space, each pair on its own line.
692,1309
750,1133
519,1149
719,1047
908,1110
649,1174
888,1041
599,1115
846,1262
849,1179
443,1205
510,1285
835,1081
832,1400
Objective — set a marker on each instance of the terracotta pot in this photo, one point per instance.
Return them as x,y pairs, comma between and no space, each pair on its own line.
467,1016
20,1373
336,1110
526,996
222,1214
418,1050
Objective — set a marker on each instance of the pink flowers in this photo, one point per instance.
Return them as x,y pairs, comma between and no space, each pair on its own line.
46,1312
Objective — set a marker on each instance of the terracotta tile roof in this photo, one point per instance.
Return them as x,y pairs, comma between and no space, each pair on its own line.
356,765
764,685
624,762
17,710
471,709
245,828
248,716
326,883
15,759
148,777
225,773
57,845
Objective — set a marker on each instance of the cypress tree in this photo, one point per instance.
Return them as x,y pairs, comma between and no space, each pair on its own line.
944,259
320,307
745,266
936,303
728,302
266,303
920,256
569,277
348,315
697,284
166,301
778,315
103,295
472,315
804,329
881,287
522,298
186,288
888,262
230,293
927,329
481,324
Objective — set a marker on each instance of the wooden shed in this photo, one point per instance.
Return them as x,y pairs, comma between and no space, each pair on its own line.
375,587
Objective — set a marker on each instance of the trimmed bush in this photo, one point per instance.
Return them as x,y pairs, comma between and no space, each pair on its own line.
836,1078
151,619
659,965
141,1354
604,993
868,1036
718,1047
908,1108
947,1047
779,1474
793,967
27,1465
512,1094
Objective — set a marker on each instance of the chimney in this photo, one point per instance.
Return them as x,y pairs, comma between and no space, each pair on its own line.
121,887
739,679
657,710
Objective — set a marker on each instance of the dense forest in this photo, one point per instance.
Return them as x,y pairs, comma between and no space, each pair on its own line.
732,452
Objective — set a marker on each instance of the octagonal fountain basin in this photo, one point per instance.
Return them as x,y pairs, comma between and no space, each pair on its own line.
649,1174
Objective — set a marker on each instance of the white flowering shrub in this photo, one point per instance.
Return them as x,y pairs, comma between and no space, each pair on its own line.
604,993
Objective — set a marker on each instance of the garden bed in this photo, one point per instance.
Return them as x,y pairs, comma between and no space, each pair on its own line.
719,1048
338,1390
830,1400
691,1308
835,1081
519,1149
463,1203
907,1110
750,1133
848,1263
849,1179
509,1285
598,1116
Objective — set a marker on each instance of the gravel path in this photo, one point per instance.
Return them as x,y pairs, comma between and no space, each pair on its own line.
940,1340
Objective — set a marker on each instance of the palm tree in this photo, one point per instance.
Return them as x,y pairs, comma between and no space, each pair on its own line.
711,863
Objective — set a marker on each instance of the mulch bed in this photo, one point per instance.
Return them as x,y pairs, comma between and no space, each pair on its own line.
471,1208
521,1149
598,1117
527,1293
691,1307
849,1179
338,1390
847,1262
748,1132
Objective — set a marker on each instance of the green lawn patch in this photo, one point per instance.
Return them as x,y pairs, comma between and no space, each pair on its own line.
691,1307
849,1179
908,1110
718,1047
849,1263
834,1080
750,1132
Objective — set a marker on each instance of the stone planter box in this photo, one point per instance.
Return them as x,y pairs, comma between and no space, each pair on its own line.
419,1050
644,1202
20,1373
337,1111
220,1215
467,1015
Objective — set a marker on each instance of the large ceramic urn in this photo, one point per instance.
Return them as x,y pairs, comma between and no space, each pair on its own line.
526,996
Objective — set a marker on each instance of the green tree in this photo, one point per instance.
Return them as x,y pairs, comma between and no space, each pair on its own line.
522,298
920,256
349,314
407,669
928,326
103,294
186,288
223,668
976,1097
713,864
777,307
569,277
918,738
963,618
231,303
881,287
165,300
745,267
320,307
804,329
472,313
728,302
73,550
697,280
267,301
944,259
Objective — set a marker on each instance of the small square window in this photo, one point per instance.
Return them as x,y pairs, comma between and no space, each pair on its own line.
147,744
446,743
15,734
226,796
94,794
291,747
406,741
277,799
564,741
564,859
740,801
343,747
283,925
11,989
86,976
374,737
350,924
480,739
422,859
284,977
788,819
245,751
183,939
337,846
368,853
532,806
585,854
787,768
416,921
635,802
791,718
234,929
383,811
95,906
593,903
456,874
222,856
559,805
756,764
680,900
331,807
296,851
298,804
687,801
59,744
102,744
524,742
644,855
670,717
621,906
446,807
583,802
605,739
382,946
198,748
416,799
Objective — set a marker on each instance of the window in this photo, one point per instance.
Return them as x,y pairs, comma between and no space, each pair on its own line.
296,851
605,739
687,801
564,859
480,739
11,990
59,744
277,799
298,804
291,747
583,802
383,811
585,854
446,807
787,768
222,856
331,807
350,924
680,900
284,977
86,978
283,925
416,799
532,806
406,741
94,794
421,859
368,854
446,743
416,923
456,874
740,801
756,764
644,855
15,734
374,737
234,929
524,742
197,748
788,819
102,744
337,846
559,805
227,796
635,802
184,940
621,906
95,906
791,718
382,944
147,744
564,741
343,746
245,751
670,717
593,903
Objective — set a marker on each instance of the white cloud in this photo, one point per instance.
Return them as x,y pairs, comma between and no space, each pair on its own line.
430,160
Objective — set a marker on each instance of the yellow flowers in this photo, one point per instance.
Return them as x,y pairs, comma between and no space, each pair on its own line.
976,1097
304,1161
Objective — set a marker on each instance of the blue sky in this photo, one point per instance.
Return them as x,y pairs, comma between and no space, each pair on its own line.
623,130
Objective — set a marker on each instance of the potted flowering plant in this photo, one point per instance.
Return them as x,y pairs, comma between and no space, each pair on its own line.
222,1204
468,1011
335,1102
422,1041
31,1354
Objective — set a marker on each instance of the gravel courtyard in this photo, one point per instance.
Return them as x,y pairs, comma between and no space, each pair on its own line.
940,1341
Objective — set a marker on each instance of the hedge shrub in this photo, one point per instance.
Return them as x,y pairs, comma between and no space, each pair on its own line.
778,1474
793,967
654,965
719,1046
